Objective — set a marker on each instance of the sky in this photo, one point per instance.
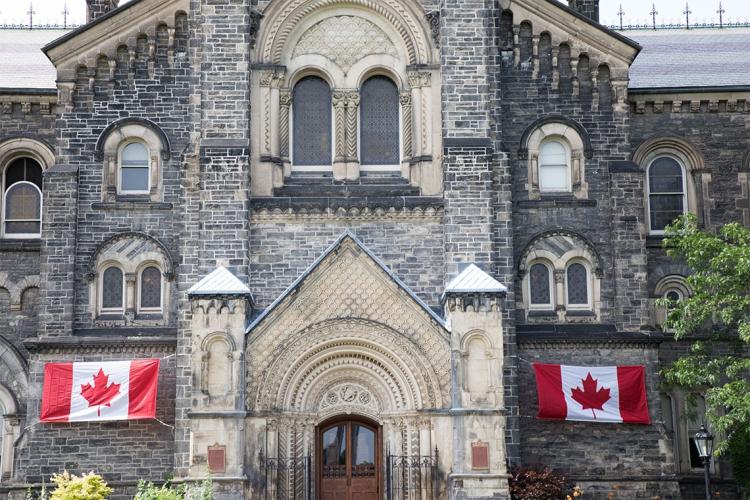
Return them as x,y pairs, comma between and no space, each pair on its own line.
636,11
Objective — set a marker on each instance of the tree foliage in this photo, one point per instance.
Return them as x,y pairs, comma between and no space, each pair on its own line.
717,318
86,487
197,491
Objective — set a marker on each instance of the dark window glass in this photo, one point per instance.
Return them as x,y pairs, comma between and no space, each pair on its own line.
363,451
666,189
112,288
23,209
23,169
334,452
539,284
134,168
311,116
379,130
151,288
578,286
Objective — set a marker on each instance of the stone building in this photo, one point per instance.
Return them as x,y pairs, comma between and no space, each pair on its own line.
349,228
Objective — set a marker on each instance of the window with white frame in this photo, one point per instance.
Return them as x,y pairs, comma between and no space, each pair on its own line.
150,290
578,292
112,291
135,169
667,198
554,167
312,139
22,199
540,287
379,123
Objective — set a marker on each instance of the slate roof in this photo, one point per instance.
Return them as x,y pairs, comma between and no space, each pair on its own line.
474,280
23,65
220,281
696,58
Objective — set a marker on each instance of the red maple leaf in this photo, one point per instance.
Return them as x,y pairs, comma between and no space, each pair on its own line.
100,394
589,398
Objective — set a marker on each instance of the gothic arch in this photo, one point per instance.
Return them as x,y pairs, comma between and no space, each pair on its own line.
396,373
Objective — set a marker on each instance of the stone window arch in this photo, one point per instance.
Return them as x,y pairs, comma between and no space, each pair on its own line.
673,287
556,150
9,431
676,181
22,163
147,271
133,152
576,274
349,42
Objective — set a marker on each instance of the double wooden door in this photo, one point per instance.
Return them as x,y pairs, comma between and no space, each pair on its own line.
349,461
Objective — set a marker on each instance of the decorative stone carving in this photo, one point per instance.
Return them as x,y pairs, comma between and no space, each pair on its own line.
349,397
433,19
345,40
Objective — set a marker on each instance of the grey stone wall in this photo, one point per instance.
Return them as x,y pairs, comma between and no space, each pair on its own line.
589,8
598,456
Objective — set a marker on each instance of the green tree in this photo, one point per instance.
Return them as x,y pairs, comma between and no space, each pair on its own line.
717,317
86,487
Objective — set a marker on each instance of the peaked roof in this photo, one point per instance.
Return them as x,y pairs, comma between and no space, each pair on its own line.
220,281
346,235
474,280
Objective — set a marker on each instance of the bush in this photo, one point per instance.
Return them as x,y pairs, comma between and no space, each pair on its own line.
739,453
541,483
199,491
86,487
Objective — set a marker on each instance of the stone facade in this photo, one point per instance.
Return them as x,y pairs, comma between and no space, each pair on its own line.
343,311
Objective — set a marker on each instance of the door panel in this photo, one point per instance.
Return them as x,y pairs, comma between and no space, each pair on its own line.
349,461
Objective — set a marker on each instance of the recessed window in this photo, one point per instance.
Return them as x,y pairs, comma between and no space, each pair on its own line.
112,290
554,167
540,287
666,192
577,281
134,169
150,290
22,200
379,123
311,123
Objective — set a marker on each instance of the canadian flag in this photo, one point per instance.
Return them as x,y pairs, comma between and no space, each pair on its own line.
100,391
592,394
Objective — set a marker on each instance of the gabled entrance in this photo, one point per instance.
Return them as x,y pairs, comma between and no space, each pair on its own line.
349,460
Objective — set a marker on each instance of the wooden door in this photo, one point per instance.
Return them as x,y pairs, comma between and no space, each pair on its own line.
349,461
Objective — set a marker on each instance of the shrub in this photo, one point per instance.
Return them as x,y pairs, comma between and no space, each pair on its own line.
199,491
86,487
541,483
739,453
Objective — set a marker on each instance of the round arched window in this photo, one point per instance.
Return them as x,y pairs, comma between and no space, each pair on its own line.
134,169
22,199
554,167
666,192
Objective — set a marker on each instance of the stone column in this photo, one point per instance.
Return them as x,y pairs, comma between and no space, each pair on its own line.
339,134
285,103
352,135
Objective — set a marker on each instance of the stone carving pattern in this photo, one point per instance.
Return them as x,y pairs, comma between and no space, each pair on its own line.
352,105
406,110
392,10
345,40
346,286
348,396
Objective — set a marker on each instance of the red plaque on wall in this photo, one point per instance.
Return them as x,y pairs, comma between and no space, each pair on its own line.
217,458
480,456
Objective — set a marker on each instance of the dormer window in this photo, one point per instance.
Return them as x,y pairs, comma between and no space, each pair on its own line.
134,169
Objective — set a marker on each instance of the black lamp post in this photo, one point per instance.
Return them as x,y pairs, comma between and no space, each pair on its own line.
704,441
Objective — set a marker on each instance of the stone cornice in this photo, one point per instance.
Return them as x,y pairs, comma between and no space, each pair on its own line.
100,345
401,209
562,336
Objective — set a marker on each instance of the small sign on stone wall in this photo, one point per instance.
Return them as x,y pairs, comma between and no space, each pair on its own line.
480,456
217,458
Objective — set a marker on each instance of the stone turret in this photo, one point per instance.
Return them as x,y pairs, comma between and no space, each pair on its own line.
97,8
589,8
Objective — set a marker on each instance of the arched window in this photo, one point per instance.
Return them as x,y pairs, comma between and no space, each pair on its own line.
311,120
112,290
379,123
134,169
667,199
150,290
554,167
22,199
577,284
540,287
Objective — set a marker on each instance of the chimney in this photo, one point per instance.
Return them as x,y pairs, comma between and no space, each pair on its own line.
97,8
589,8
